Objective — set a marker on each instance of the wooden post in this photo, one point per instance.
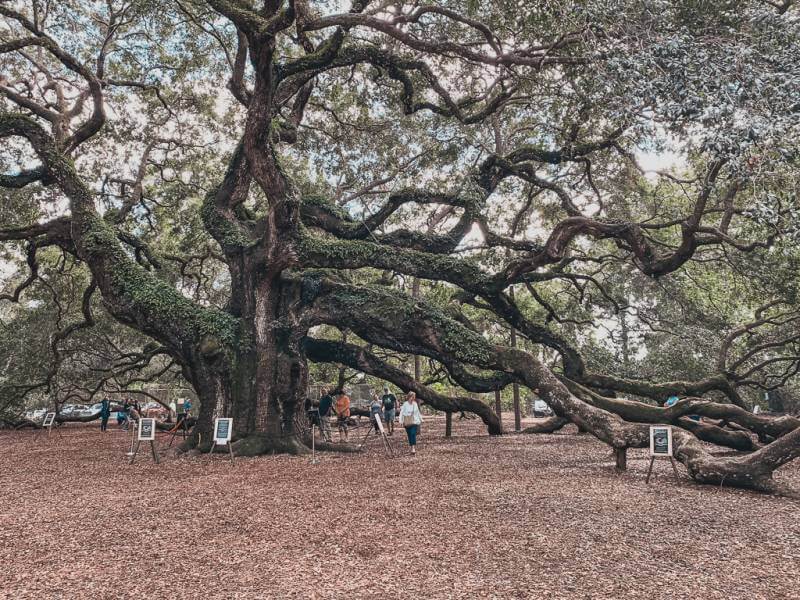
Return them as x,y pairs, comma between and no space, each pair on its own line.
387,445
650,469
621,455
313,446
364,440
498,406
133,439
448,423
515,387
135,452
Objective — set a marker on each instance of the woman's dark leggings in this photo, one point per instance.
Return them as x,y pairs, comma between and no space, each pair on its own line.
411,432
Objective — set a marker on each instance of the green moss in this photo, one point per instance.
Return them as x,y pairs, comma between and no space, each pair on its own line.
225,232
334,253
405,319
158,302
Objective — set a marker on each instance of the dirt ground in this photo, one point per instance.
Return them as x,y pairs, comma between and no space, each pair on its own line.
470,517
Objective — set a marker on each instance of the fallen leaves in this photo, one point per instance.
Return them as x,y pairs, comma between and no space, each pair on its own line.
470,517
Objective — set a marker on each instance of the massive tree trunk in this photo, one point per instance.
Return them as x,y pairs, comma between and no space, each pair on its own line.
262,380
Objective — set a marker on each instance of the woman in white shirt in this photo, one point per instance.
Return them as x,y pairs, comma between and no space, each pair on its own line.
411,419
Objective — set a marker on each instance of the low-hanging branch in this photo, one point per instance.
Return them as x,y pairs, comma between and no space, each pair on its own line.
407,325
359,358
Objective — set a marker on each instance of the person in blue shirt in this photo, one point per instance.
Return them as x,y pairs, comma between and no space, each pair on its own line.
671,402
375,410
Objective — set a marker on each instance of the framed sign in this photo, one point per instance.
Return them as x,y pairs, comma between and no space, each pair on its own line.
223,431
660,440
49,419
379,421
147,430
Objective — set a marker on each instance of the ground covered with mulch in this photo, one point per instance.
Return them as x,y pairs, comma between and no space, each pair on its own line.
525,516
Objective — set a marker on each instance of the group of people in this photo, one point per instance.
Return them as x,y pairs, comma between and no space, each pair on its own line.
130,411
384,407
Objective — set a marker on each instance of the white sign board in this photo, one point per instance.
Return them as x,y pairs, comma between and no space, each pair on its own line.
49,418
147,430
223,431
379,421
660,440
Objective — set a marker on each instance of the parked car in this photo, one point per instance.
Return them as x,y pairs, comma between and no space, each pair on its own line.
86,411
154,410
541,409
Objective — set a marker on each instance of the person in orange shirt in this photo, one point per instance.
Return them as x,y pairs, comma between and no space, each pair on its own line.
342,409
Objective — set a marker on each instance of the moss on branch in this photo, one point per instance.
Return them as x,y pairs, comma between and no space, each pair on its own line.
354,254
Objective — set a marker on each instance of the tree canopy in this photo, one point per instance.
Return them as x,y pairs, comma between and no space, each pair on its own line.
596,201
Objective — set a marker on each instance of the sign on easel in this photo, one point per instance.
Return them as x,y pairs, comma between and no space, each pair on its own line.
223,434
146,433
661,446
49,421
147,430
379,425
223,431
660,441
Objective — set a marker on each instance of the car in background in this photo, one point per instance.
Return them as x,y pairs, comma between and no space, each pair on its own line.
86,411
154,410
541,409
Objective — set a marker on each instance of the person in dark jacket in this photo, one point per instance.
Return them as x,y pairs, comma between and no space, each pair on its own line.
105,413
325,404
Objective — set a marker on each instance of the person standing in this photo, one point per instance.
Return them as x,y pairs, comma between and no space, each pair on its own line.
375,411
105,413
389,401
411,419
325,403
342,409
